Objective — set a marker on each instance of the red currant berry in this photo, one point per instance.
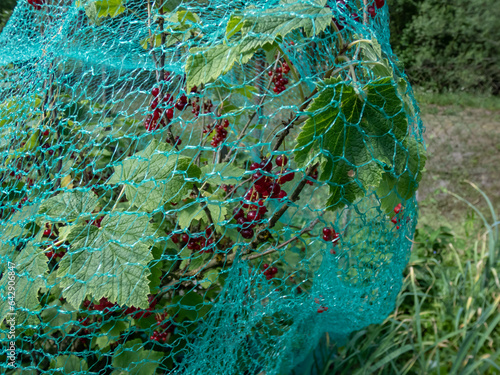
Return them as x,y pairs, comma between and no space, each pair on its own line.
247,233
281,160
185,237
265,266
379,3
170,113
326,238
252,215
397,209
47,232
327,232
394,220
45,133
372,11
254,166
266,165
155,91
282,194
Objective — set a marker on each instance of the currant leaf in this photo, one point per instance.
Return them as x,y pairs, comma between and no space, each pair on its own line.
31,273
110,261
155,176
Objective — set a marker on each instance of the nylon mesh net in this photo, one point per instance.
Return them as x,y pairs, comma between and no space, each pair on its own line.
199,186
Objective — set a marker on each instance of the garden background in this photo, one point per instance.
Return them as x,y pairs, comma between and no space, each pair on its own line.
447,317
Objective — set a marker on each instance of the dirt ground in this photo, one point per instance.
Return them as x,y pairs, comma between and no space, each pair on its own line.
462,144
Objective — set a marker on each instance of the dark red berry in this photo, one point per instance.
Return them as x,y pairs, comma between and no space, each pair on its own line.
185,237
254,166
266,165
281,160
397,209
247,233
327,232
155,91
394,220
45,133
371,11
252,215
47,232
379,3
282,194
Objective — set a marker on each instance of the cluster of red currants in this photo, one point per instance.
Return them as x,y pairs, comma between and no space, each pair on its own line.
227,188
378,4
220,133
330,235
269,272
104,305
278,77
52,254
167,327
397,210
203,244
161,116
37,4
321,308
264,187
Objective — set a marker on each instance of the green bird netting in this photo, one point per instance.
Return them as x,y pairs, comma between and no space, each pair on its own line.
199,186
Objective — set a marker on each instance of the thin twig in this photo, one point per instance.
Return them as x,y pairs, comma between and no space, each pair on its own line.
259,106
274,249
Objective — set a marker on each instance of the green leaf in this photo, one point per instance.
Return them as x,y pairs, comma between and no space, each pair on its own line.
222,173
209,278
190,306
155,176
58,316
68,206
110,8
324,111
194,211
208,63
171,5
133,359
359,139
68,364
111,261
189,213
276,22
31,270
233,25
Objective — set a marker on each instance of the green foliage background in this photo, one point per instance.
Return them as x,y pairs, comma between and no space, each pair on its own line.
448,45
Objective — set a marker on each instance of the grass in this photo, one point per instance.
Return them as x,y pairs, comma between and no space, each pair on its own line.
457,99
447,316
463,143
